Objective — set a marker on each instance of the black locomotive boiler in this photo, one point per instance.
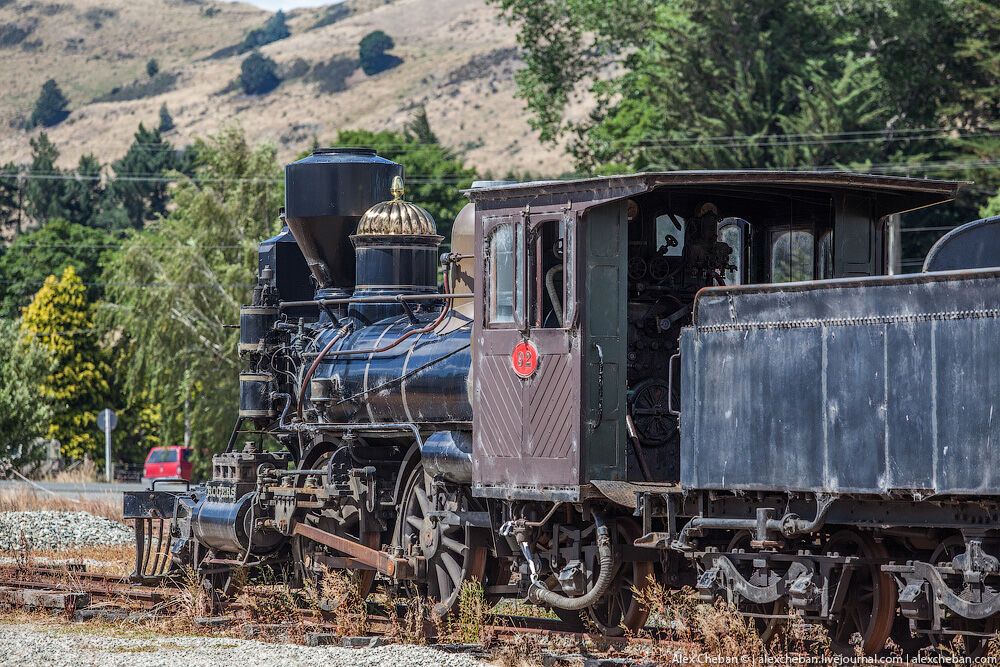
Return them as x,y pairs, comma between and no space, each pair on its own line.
699,378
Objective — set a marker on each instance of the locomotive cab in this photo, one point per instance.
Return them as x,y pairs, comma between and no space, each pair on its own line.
588,284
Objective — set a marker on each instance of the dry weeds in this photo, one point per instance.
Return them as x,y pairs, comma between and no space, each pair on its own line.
469,625
83,472
28,499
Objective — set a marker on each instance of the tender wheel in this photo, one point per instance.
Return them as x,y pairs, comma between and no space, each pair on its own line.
619,611
869,607
767,628
974,645
450,560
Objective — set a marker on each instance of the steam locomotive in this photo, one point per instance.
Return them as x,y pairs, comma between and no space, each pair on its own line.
703,378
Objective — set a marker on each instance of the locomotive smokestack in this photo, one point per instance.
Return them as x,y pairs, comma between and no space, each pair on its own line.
326,194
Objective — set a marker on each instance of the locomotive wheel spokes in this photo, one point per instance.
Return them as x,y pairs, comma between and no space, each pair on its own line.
314,560
767,628
869,606
450,560
620,610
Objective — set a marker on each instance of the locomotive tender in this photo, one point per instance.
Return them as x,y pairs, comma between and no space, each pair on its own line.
705,378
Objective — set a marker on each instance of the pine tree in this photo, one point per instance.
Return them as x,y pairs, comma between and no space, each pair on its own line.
152,68
84,194
418,128
166,120
137,186
59,319
51,107
45,190
10,197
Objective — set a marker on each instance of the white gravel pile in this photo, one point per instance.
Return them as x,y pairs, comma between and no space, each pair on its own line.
55,647
45,530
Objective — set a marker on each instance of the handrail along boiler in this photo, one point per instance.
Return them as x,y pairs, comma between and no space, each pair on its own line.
704,378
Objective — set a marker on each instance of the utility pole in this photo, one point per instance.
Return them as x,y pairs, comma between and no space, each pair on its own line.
107,420
20,198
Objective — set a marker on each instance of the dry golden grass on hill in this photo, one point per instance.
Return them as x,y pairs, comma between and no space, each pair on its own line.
459,59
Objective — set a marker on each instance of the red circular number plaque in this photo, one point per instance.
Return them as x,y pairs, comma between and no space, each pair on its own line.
524,359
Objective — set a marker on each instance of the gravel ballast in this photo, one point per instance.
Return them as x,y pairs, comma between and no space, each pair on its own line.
49,530
54,646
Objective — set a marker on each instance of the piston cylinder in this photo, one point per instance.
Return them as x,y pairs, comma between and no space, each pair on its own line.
228,526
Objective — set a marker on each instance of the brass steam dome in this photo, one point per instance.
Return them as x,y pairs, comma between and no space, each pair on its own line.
396,217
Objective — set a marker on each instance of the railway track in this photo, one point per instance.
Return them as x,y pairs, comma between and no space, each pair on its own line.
69,589
50,585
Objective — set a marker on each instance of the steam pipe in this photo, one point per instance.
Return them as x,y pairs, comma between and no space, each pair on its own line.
312,369
538,593
385,348
789,525
393,298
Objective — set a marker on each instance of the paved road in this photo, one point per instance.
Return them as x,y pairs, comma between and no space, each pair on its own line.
72,489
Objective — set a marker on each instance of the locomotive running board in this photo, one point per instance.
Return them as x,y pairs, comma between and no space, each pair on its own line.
397,568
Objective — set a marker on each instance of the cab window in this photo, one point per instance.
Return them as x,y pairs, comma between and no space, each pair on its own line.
506,298
547,274
670,235
792,257
733,232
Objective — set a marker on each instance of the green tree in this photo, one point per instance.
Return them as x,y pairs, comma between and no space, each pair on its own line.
152,68
276,28
731,83
258,74
49,249
434,173
991,207
372,53
172,287
10,198
84,194
24,414
60,320
45,190
140,177
166,120
51,107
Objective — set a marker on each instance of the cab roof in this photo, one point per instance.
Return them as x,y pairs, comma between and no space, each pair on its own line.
896,194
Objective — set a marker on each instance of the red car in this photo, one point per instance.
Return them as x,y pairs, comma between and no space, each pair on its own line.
172,462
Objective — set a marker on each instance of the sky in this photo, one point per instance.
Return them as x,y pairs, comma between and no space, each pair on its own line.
275,5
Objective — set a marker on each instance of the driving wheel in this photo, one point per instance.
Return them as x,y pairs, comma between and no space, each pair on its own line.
620,610
314,560
451,560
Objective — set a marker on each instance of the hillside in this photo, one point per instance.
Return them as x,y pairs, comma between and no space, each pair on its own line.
458,59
